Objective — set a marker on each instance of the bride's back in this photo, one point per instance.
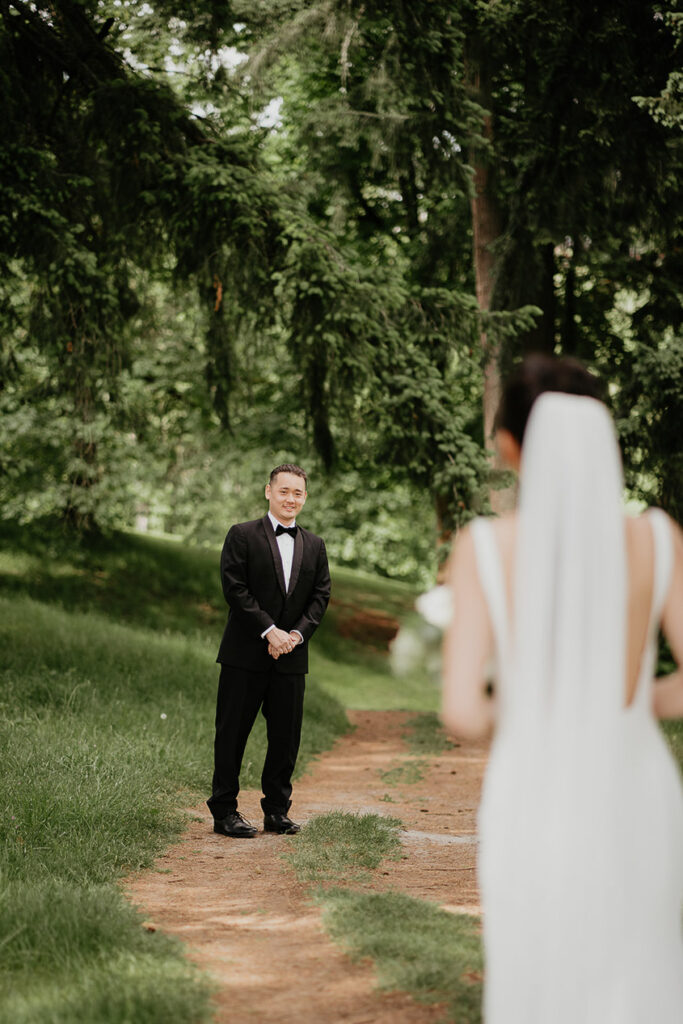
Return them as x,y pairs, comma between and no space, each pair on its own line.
640,575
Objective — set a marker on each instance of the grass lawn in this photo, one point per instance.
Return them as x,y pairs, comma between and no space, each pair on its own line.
107,693
416,946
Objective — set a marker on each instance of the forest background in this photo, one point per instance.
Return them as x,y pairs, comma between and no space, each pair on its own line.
239,233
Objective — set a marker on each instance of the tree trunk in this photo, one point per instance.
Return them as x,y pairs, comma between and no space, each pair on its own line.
85,473
486,230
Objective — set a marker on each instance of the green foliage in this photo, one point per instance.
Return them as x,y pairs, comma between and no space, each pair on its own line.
191,291
649,396
109,176
667,107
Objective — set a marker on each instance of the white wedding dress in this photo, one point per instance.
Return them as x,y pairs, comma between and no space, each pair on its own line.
581,819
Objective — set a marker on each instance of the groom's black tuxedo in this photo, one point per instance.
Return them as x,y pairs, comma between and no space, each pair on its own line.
254,586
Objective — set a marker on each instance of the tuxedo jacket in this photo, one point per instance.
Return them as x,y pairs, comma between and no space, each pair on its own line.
254,587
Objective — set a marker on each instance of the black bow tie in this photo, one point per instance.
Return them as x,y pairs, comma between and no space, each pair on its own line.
291,530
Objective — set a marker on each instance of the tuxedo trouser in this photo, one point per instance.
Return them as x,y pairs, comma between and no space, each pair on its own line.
241,694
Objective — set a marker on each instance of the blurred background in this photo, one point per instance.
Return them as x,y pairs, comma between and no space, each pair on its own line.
239,233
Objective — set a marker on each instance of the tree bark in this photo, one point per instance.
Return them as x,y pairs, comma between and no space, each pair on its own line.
486,230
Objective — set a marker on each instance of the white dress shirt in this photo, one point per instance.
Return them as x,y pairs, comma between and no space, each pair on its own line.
285,543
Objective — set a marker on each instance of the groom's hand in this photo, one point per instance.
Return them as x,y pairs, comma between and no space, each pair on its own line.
279,641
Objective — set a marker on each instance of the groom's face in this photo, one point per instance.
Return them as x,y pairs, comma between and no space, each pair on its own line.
286,495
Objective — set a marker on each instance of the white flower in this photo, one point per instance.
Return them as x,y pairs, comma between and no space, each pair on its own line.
163,714
406,651
436,606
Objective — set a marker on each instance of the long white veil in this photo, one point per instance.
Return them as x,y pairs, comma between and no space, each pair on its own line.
562,705
570,594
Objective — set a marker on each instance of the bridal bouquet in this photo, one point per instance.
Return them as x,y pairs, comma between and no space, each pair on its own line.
417,645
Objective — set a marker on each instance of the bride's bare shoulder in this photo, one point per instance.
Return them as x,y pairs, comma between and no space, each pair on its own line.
639,529
639,533
640,540
505,527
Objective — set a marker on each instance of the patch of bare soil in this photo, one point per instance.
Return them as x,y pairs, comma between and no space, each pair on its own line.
374,629
244,917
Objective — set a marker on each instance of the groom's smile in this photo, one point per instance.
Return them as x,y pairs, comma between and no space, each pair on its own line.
286,496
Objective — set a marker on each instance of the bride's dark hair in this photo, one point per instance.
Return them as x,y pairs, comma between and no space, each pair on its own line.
534,375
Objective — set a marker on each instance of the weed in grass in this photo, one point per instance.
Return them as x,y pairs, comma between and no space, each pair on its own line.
405,772
343,847
416,946
426,735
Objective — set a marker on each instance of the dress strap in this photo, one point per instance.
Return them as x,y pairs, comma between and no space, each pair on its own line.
492,580
663,561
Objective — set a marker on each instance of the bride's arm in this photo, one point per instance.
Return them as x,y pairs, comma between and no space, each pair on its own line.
668,690
467,710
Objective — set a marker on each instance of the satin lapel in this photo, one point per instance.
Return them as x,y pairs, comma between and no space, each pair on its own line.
296,561
275,552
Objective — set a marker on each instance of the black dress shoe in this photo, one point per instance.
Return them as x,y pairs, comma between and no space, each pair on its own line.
281,824
234,825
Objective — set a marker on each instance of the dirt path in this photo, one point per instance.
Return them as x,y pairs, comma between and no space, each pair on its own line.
245,918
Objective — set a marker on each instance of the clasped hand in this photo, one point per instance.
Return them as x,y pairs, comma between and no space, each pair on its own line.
280,642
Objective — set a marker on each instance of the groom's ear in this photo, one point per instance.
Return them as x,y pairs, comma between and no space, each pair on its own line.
268,492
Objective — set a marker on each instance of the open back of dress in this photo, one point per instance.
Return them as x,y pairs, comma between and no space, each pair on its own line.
581,821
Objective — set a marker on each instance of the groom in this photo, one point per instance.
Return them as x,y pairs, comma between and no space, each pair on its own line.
277,583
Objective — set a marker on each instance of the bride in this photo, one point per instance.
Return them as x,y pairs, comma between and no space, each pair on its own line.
581,818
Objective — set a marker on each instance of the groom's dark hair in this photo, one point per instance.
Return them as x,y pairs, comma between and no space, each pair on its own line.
289,467
534,375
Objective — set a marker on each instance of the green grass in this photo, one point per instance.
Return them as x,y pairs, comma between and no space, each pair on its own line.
426,735
370,685
406,773
416,947
139,580
76,953
107,694
167,586
101,639
674,734
107,699
343,847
